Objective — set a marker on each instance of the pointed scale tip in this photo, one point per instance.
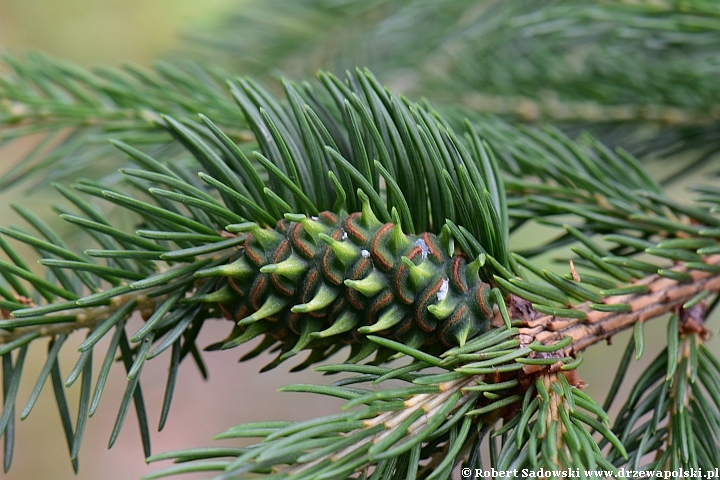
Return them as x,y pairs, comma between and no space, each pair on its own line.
237,269
324,297
446,240
266,237
223,295
278,360
462,333
442,309
388,319
291,268
309,327
311,225
361,351
252,331
264,345
472,271
367,216
398,240
316,355
271,306
346,252
419,274
368,286
344,323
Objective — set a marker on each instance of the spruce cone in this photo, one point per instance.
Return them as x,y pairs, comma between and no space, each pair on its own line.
337,276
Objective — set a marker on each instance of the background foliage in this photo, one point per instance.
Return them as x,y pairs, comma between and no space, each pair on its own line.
91,32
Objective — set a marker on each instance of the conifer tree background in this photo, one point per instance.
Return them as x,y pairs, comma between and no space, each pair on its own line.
639,76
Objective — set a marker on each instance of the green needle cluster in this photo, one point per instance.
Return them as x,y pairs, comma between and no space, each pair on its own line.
342,214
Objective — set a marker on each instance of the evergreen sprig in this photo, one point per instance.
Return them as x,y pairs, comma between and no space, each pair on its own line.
354,146
673,406
636,74
78,110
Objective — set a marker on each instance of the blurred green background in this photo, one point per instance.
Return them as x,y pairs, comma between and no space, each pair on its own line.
90,32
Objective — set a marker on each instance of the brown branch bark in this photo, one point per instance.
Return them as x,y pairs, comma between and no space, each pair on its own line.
664,296
550,108
87,317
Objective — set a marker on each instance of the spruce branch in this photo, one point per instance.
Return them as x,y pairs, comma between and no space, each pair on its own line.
78,110
635,74
550,109
74,319
371,221
670,400
662,295
404,211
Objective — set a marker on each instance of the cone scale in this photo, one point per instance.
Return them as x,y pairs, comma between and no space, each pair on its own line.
316,282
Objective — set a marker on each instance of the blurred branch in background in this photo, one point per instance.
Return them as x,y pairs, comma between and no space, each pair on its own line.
635,73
